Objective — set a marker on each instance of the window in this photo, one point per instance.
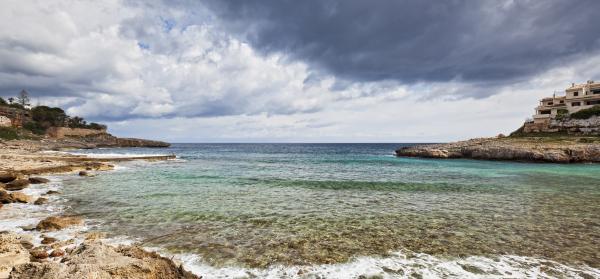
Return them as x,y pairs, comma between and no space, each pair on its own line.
575,94
595,91
562,102
544,111
589,103
550,103
575,104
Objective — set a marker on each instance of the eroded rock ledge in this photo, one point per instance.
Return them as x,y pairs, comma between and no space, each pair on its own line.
529,149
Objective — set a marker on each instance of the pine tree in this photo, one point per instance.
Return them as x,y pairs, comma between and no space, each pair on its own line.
23,98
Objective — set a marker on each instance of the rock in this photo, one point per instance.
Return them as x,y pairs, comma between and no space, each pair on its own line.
2,185
40,201
57,253
16,185
26,244
38,180
52,192
96,260
20,197
48,240
85,173
95,235
7,177
38,253
5,197
28,227
55,223
12,253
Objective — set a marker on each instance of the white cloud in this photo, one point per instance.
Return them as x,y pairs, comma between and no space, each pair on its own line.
145,68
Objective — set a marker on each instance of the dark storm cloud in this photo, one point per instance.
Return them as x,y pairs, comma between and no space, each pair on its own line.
415,40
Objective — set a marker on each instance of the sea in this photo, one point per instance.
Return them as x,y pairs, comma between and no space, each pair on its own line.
281,210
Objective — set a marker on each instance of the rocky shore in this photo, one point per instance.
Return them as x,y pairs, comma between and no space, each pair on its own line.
37,251
555,149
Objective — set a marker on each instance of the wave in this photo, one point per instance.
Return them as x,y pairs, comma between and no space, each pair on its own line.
403,265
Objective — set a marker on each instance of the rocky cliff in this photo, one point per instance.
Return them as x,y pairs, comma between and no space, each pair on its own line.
532,149
566,125
101,140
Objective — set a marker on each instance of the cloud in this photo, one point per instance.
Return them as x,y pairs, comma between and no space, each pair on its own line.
411,41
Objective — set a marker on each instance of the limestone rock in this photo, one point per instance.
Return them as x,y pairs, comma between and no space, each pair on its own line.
41,201
12,253
96,260
16,185
7,177
48,240
52,192
38,180
20,197
5,197
57,253
38,253
55,223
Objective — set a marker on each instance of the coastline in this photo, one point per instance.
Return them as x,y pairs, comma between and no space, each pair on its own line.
48,244
556,149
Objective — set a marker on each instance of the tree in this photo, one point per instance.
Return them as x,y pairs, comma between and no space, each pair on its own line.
2,101
23,98
11,100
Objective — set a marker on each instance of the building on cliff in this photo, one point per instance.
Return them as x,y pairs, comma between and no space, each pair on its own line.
577,97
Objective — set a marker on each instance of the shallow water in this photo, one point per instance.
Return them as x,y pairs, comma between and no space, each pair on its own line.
260,207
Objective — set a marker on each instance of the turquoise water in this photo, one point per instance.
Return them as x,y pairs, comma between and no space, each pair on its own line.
260,205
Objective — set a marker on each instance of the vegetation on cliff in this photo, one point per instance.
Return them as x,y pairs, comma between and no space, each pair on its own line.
38,119
587,113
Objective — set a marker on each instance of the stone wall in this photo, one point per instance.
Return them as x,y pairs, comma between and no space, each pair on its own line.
61,132
590,126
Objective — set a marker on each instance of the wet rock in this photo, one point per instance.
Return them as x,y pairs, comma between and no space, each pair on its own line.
38,253
85,173
5,197
16,185
28,227
48,240
57,253
95,235
12,253
26,244
55,223
38,180
40,201
20,197
7,177
52,192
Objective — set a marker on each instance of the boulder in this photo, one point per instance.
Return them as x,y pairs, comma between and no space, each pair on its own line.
40,201
38,180
55,223
7,177
26,244
84,173
38,253
57,253
20,197
16,185
48,240
5,197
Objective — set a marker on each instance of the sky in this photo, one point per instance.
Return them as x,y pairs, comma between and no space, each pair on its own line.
298,71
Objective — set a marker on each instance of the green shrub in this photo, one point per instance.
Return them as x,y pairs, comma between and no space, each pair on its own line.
48,116
586,113
8,133
562,114
35,127
3,102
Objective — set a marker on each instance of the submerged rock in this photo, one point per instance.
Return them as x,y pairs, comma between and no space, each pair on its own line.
38,180
48,240
86,173
16,185
55,223
52,192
